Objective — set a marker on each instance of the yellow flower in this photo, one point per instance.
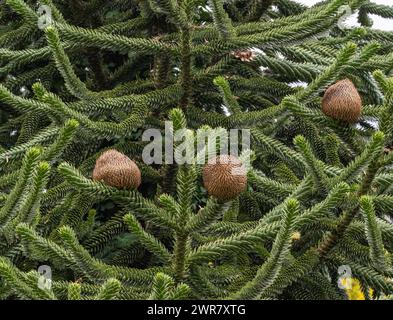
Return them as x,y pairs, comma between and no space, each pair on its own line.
354,291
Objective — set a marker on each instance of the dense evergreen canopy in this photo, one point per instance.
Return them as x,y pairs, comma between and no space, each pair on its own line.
79,77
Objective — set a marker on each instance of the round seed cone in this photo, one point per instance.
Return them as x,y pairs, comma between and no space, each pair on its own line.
117,170
225,177
342,102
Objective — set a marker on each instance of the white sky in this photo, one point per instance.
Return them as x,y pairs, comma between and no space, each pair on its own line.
379,23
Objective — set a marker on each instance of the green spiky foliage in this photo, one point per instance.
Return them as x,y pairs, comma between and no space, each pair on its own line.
98,73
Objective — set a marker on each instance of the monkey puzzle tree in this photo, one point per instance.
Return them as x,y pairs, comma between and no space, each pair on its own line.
81,81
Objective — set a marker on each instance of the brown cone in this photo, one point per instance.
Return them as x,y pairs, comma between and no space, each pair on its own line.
117,170
245,55
225,178
342,102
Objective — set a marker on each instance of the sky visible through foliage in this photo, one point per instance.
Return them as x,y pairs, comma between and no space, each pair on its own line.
379,23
